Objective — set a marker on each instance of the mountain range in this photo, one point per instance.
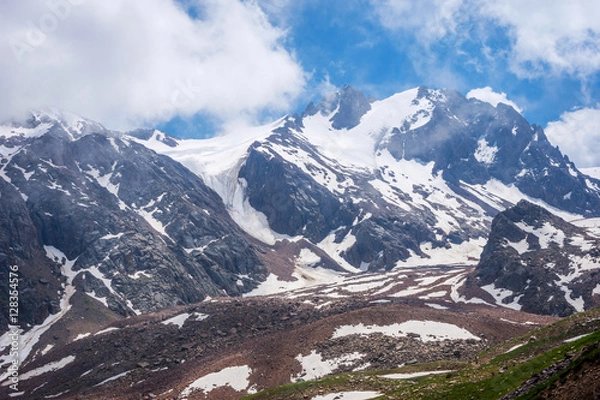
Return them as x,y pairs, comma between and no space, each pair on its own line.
107,225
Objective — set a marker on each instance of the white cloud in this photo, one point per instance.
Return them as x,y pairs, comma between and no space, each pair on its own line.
432,19
489,96
546,36
561,35
577,134
125,63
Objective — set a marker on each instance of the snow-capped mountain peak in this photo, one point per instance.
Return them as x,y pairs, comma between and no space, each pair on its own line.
415,178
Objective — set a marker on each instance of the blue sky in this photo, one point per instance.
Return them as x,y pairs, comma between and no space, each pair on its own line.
347,42
462,47
196,68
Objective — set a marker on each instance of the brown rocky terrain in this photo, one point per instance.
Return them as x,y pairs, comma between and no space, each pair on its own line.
142,357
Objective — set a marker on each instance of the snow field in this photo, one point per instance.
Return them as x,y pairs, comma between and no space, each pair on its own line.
427,331
235,377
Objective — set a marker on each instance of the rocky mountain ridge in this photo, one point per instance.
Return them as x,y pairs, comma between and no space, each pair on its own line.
411,179
538,262
135,230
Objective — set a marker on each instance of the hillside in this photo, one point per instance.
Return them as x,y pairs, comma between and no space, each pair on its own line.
559,361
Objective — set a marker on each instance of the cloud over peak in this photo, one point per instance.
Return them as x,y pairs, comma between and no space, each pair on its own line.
128,63
489,96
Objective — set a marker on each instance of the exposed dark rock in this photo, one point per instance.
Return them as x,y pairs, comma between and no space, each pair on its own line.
538,256
138,220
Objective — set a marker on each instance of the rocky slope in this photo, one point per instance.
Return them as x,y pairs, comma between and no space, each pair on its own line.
538,262
223,349
558,361
99,213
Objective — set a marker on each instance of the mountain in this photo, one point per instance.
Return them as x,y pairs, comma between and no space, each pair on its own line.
353,208
349,185
537,262
414,179
84,209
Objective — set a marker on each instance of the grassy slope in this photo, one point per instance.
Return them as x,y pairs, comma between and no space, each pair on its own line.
496,374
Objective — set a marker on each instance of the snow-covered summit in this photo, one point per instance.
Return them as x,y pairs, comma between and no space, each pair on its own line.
411,179
54,120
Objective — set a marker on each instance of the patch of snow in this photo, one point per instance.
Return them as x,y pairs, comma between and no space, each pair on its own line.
580,241
47,349
380,301
455,284
54,396
81,336
112,328
515,347
546,234
307,258
499,294
132,308
148,216
31,337
304,278
103,300
113,378
180,319
334,250
139,274
95,271
235,377
314,366
436,306
460,254
355,395
250,220
433,295
50,367
576,338
592,225
105,182
347,146
577,303
521,247
110,236
414,374
361,287
501,196
9,131
427,330
484,153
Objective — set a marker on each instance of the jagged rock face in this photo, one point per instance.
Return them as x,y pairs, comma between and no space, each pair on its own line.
468,141
291,202
39,277
352,106
540,263
473,142
349,105
144,232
